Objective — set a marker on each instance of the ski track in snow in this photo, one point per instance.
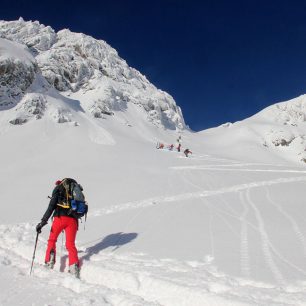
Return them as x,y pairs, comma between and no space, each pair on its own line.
229,168
133,280
265,241
244,245
300,236
270,254
193,195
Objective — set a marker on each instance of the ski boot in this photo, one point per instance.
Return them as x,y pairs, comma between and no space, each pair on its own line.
50,264
74,270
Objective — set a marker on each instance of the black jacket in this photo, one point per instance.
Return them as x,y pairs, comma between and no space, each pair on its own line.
58,196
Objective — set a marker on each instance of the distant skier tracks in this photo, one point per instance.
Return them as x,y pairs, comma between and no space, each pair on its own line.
136,280
194,195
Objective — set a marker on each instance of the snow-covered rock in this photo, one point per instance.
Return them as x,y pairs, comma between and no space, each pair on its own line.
277,131
92,71
33,34
31,106
292,112
17,72
279,137
285,126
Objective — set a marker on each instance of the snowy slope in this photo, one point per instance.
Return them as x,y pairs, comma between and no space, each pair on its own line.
225,226
277,133
162,229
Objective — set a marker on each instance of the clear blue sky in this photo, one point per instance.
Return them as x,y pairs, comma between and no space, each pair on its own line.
220,60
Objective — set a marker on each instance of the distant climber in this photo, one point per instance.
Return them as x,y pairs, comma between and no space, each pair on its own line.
179,147
186,152
171,147
160,145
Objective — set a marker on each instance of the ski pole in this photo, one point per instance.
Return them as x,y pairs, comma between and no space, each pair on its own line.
34,253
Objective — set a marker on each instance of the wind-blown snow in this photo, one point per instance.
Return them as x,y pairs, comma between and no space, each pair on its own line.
225,226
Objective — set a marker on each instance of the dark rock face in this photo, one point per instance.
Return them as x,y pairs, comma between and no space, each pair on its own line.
15,78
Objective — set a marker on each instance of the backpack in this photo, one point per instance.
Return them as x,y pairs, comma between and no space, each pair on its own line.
73,198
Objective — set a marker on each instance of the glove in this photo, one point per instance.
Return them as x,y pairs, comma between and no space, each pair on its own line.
40,225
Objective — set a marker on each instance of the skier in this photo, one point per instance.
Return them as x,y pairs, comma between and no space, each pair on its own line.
160,145
186,152
179,143
171,147
62,221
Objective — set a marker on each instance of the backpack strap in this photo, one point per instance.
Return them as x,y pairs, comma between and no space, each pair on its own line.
64,184
63,205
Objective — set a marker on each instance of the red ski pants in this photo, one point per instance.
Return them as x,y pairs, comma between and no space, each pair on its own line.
70,226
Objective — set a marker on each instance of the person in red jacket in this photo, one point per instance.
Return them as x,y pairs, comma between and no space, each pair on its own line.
63,220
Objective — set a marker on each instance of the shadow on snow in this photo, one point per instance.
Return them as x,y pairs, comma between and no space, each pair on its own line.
113,240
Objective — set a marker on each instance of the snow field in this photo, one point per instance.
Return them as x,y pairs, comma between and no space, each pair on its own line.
125,268
108,279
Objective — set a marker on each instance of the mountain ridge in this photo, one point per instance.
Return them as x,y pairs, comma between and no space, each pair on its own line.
80,66
88,76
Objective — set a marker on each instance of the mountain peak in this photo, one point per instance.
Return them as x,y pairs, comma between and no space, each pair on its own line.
91,71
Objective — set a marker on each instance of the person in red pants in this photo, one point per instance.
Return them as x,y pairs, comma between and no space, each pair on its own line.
62,221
